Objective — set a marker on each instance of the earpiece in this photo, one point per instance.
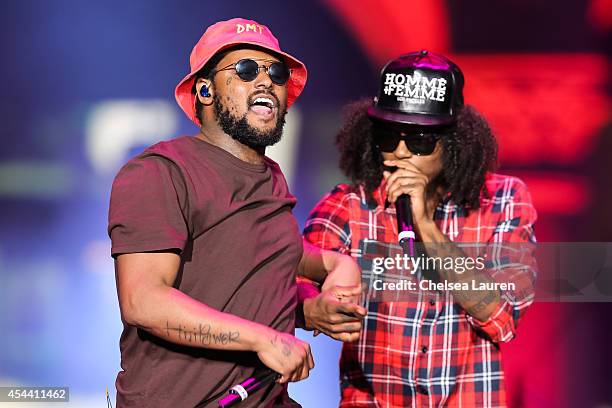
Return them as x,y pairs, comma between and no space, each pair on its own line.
204,91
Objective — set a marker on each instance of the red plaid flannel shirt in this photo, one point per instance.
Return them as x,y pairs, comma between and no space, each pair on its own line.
427,353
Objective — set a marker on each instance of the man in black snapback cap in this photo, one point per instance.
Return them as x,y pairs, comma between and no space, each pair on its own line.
417,138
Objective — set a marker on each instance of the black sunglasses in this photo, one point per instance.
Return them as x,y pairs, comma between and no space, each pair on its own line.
248,69
419,142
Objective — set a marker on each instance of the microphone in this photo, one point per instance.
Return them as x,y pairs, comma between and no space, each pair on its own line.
405,230
240,392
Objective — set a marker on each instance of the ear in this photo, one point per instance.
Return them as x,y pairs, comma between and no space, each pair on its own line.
204,91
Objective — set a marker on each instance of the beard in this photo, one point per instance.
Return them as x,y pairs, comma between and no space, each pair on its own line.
240,130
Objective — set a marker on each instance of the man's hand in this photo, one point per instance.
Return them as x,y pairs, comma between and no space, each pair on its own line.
285,354
410,180
335,313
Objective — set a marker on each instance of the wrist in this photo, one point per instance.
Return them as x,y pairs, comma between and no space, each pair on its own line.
261,337
425,228
306,289
307,307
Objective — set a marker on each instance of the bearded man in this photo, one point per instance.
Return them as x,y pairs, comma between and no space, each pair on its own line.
205,244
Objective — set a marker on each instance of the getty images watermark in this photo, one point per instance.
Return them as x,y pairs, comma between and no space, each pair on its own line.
550,272
390,274
458,265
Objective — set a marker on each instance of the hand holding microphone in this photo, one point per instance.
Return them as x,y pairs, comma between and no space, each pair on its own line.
287,359
410,181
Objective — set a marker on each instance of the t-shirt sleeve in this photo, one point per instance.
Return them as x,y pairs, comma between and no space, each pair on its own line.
147,207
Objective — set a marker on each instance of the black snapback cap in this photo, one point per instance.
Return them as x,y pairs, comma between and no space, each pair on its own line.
419,88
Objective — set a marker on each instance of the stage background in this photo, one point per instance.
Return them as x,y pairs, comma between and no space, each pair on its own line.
87,85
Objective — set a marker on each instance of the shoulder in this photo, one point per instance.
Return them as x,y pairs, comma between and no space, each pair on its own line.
165,157
174,150
342,193
339,199
500,185
502,191
329,220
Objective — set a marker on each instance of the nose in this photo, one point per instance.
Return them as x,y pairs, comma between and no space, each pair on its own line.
401,151
263,79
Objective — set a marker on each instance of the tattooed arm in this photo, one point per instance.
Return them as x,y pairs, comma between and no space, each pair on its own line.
478,303
148,300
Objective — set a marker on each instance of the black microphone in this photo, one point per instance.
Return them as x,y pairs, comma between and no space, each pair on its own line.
240,392
405,230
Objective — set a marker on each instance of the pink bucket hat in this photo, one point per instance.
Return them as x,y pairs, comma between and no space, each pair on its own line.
225,34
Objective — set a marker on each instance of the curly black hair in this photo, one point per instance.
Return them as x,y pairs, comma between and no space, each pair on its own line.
469,151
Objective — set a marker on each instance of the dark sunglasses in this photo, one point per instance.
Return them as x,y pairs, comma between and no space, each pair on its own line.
248,69
420,143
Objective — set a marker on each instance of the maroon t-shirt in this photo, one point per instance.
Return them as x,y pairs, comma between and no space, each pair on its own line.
240,247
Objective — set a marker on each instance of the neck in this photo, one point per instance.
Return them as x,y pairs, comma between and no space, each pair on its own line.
215,136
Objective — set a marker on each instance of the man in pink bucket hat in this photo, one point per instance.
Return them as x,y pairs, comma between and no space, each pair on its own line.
229,34
205,245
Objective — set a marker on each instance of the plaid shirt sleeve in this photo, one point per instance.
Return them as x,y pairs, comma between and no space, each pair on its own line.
515,228
328,224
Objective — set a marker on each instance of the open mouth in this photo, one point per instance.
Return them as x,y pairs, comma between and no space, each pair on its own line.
263,105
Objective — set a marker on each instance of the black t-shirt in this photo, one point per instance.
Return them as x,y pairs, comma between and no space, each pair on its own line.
240,247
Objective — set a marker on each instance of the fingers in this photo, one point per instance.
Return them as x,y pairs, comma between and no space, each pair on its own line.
338,313
288,356
404,181
404,168
342,294
345,319
346,291
402,164
403,174
346,337
404,186
399,173
305,372
284,377
351,309
307,364
297,373
301,373
352,327
311,363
